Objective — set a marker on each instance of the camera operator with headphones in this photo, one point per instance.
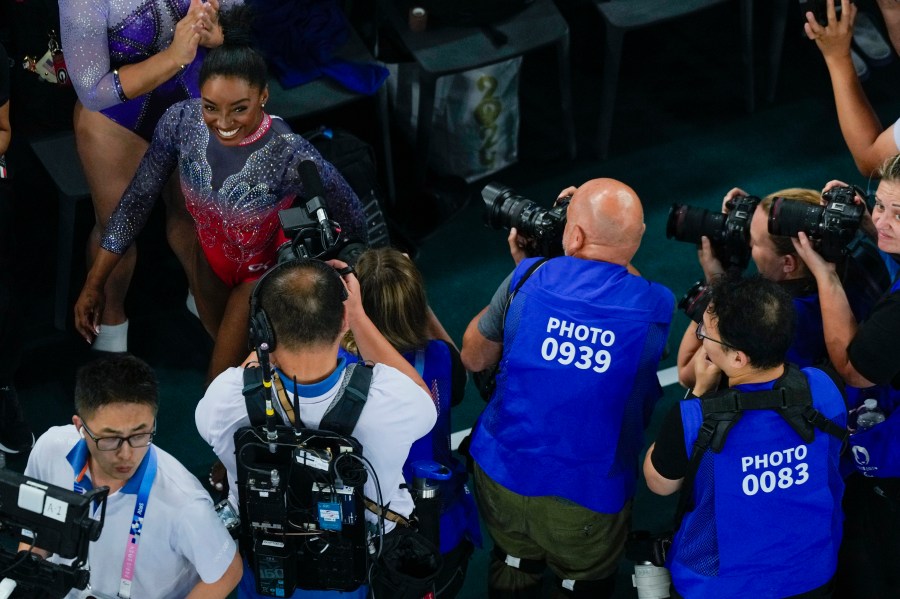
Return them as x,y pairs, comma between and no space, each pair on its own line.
578,344
302,309
865,354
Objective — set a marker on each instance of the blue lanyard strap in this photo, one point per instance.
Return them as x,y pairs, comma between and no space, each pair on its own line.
143,479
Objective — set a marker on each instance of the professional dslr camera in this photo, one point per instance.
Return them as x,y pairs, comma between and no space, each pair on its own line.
819,9
311,233
543,228
831,227
729,233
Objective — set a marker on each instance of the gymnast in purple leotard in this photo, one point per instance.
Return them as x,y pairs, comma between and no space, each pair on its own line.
129,60
101,37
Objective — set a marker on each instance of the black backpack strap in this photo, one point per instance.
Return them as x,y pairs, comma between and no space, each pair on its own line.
255,393
343,413
711,435
485,379
790,398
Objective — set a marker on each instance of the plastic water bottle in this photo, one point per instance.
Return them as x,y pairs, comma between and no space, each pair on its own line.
869,415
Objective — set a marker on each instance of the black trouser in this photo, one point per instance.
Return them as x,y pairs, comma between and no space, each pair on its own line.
452,576
867,562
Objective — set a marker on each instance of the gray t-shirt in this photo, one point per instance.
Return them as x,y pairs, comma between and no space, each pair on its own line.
491,322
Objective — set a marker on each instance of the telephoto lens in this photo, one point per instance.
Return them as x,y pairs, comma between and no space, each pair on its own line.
728,233
542,227
832,226
689,223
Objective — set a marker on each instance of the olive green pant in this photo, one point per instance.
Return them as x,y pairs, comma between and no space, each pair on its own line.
576,543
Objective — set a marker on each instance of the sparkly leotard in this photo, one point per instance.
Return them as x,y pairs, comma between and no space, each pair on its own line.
99,36
233,193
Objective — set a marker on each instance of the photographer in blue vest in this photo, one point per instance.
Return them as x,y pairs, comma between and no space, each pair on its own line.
763,482
556,448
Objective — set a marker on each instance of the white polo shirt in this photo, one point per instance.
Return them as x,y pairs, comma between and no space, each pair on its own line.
397,413
182,541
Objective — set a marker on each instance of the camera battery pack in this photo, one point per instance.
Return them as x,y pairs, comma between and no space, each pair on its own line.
275,567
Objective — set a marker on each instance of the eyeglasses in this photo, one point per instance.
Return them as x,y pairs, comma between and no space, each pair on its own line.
113,443
701,336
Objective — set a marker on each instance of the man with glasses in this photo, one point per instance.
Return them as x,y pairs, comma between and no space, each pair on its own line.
766,497
161,537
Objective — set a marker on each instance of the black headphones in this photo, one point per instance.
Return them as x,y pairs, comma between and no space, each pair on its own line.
261,330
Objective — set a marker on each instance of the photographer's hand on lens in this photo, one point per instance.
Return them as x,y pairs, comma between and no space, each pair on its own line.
517,246
736,192
353,303
834,39
828,187
89,311
711,265
817,265
568,192
866,223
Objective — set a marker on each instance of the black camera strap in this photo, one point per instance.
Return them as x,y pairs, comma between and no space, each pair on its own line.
790,398
485,379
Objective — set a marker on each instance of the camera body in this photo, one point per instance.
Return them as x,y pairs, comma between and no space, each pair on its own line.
306,238
832,226
819,9
504,209
729,233
311,233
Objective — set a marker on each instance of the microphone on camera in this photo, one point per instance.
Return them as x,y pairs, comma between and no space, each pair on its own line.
315,192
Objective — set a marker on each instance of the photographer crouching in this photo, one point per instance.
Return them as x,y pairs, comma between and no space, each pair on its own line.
757,463
865,354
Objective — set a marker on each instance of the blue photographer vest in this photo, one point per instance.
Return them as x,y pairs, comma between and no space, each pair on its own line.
459,515
576,383
768,519
808,346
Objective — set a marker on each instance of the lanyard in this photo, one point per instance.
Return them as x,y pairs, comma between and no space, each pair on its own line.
137,520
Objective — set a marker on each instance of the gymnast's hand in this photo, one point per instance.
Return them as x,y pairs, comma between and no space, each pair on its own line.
183,48
88,311
211,34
